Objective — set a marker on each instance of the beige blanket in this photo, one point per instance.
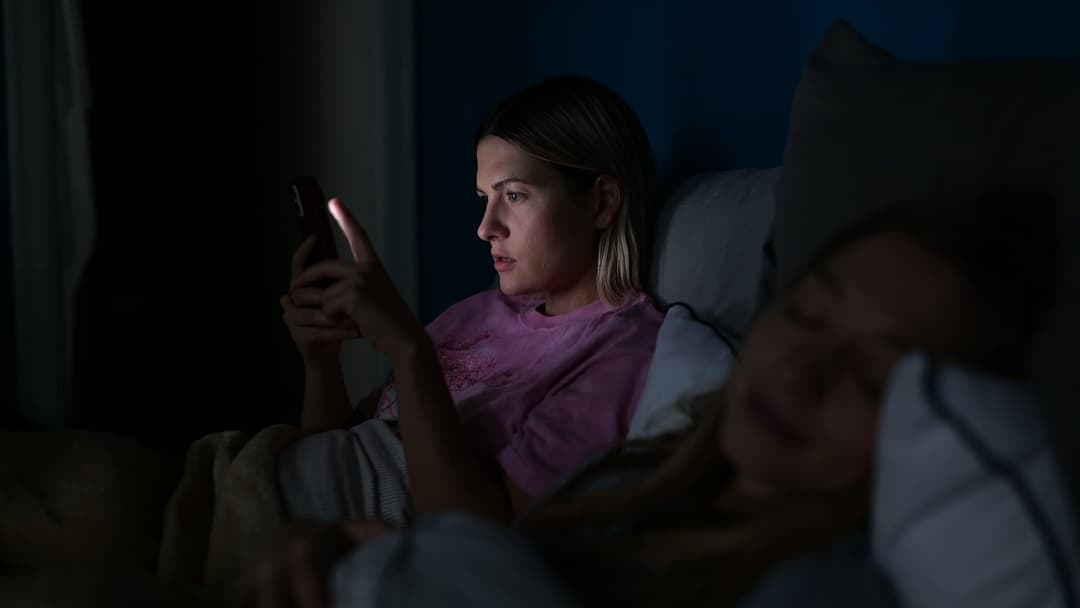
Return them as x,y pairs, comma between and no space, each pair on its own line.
80,504
226,508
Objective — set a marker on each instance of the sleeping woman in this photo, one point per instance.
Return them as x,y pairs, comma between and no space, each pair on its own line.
507,391
779,461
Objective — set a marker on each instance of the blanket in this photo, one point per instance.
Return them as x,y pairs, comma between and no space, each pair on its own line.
359,473
81,502
226,508
95,509
87,515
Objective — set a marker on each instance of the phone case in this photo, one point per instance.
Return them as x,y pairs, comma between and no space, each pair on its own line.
314,218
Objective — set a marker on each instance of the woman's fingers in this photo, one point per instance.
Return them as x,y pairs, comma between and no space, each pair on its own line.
315,317
311,335
304,297
311,328
340,300
333,270
359,241
348,290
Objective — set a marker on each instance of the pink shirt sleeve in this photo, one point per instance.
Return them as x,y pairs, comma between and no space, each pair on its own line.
580,417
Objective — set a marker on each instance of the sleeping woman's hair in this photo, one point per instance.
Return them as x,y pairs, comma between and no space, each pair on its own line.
584,129
677,551
1002,242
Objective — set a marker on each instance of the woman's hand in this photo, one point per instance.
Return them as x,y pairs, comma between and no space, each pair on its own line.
297,573
317,336
362,292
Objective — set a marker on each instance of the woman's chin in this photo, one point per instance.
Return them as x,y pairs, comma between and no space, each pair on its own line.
510,288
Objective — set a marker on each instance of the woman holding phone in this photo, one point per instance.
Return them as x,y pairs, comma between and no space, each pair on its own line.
507,391
779,463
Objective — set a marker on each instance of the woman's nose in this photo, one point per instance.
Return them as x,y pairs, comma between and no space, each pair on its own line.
491,225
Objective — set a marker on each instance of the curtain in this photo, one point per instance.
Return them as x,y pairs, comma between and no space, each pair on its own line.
52,206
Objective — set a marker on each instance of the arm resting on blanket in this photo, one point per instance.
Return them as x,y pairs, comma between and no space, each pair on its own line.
445,472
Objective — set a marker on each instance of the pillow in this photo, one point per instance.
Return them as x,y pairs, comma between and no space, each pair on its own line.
691,358
969,506
711,246
837,575
867,129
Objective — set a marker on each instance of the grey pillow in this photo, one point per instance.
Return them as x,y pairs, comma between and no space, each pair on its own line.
868,130
968,501
711,246
691,358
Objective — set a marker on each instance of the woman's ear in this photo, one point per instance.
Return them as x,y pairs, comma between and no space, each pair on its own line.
609,200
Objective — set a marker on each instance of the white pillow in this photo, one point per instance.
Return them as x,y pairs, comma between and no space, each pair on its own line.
711,246
969,504
691,358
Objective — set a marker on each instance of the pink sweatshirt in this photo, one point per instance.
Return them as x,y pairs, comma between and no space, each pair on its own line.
537,393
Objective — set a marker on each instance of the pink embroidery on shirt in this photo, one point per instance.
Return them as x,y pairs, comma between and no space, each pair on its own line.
458,343
462,367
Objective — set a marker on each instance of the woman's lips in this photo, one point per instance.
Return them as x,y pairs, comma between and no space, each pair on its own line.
502,263
770,417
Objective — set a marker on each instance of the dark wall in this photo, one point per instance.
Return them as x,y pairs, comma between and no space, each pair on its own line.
712,82
178,329
8,389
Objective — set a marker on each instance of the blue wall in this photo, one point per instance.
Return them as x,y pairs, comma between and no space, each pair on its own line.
712,82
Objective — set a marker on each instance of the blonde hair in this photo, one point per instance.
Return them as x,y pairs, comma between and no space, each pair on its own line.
584,130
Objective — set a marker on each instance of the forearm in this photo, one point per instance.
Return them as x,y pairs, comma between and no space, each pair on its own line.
445,471
326,402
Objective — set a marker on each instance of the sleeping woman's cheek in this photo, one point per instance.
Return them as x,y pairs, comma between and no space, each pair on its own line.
827,448
841,451
843,439
798,423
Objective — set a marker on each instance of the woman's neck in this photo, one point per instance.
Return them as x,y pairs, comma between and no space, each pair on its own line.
581,293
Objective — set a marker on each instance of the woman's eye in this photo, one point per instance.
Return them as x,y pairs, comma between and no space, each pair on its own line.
515,197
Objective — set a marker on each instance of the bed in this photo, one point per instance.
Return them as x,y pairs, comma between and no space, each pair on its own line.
866,129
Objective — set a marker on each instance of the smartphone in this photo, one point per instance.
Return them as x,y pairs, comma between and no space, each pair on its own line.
314,218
